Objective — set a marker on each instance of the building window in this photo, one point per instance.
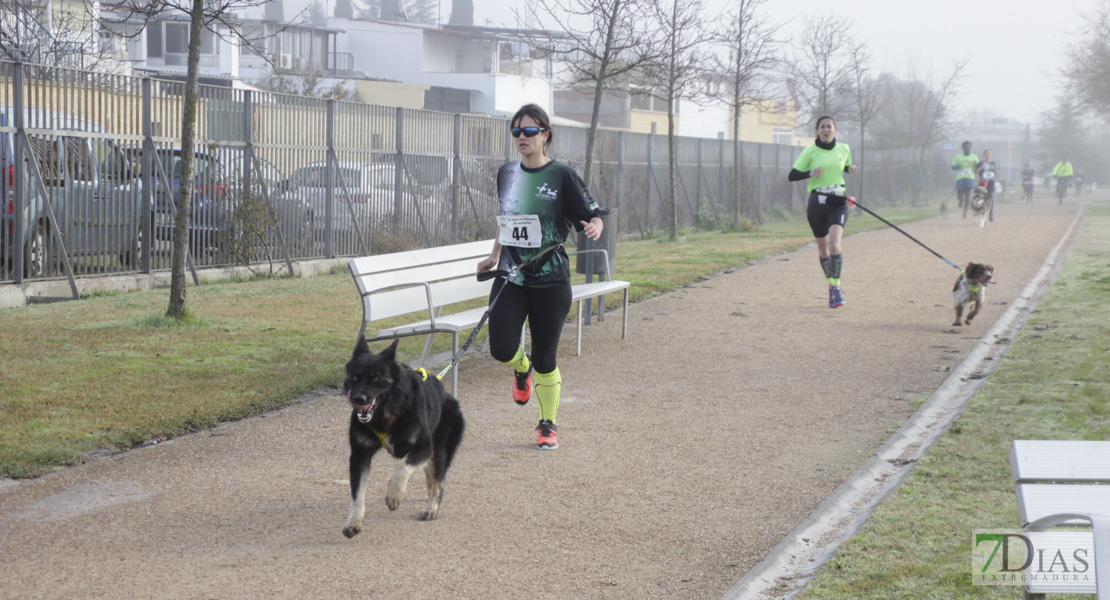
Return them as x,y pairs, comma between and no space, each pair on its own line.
177,45
783,135
640,101
154,40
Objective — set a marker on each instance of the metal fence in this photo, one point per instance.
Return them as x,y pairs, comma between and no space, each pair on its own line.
92,163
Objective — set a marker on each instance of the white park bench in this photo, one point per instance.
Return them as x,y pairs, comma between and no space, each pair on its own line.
434,280
1063,497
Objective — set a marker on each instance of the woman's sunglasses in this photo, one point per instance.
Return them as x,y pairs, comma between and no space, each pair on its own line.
527,131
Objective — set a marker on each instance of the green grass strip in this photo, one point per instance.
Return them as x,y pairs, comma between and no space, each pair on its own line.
1053,383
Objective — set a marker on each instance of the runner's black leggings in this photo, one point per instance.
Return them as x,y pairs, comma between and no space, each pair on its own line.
545,308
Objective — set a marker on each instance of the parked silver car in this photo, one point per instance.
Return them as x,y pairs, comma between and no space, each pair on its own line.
369,187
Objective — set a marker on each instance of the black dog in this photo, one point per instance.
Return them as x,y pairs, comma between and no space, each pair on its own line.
408,413
970,289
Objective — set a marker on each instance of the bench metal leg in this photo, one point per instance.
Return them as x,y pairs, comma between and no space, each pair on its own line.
455,371
624,315
427,347
578,336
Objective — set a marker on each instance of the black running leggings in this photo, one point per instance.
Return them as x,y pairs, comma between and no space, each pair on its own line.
546,309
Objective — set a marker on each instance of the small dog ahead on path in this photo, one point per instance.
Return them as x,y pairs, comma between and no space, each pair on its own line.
970,289
409,414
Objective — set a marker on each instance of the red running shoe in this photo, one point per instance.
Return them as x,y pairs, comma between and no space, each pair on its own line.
547,439
522,387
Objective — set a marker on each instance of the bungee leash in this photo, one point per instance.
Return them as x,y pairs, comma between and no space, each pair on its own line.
486,276
852,202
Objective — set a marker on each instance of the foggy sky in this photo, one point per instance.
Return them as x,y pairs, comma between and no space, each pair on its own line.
1016,48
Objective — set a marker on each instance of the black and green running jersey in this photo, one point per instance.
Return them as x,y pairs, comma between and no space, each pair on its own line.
557,195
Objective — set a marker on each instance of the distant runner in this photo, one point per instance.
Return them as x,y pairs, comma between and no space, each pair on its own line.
964,166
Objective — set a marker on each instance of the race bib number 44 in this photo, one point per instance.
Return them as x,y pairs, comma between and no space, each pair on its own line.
522,231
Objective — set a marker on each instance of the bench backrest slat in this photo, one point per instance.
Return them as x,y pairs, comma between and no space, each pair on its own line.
1037,500
368,265
1060,461
448,271
406,300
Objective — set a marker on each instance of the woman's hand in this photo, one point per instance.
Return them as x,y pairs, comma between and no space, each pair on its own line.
487,264
593,228
853,169
817,172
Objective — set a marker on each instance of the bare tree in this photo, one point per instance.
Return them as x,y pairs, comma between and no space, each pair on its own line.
752,53
869,98
218,17
683,36
1088,66
599,43
821,65
920,111
45,33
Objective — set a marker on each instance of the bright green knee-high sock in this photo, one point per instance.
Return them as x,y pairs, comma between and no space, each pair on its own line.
520,362
548,388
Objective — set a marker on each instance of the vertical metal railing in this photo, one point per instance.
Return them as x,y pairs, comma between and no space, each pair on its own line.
316,163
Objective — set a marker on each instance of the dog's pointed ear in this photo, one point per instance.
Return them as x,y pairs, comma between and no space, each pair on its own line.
361,347
390,353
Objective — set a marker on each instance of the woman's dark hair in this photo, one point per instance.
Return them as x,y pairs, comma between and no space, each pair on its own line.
539,115
817,125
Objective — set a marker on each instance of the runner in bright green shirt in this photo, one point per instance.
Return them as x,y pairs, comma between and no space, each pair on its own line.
964,166
1062,172
824,164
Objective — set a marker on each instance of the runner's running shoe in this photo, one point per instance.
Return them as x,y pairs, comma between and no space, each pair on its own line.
547,438
836,297
522,386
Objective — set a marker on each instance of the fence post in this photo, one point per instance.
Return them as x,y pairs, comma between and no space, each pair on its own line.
20,229
147,212
759,176
778,148
647,178
329,181
721,176
399,169
248,151
619,191
697,188
456,160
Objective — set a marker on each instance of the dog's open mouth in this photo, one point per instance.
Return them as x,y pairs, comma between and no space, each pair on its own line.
362,411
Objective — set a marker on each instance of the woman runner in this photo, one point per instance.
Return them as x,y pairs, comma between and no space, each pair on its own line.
540,199
824,164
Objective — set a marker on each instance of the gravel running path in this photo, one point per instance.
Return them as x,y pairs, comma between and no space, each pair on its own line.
687,451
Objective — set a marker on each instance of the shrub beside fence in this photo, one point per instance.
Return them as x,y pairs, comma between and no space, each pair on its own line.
91,161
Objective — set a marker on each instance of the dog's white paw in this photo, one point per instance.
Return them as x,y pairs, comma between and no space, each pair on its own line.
393,501
427,515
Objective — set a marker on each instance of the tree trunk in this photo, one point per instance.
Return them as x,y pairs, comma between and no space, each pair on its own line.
599,87
672,169
176,308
